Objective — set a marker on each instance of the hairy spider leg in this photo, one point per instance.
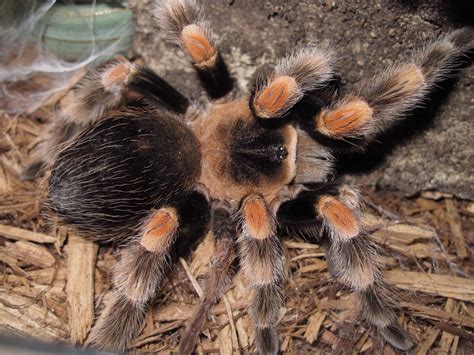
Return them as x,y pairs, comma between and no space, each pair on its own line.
139,272
263,264
182,22
303,71
221,269
353,257
101,90
384,98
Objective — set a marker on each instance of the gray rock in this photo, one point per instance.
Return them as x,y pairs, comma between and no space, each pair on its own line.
433,150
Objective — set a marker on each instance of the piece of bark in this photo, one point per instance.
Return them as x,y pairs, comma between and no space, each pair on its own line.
55,291
417,250
442,285
453,330
454,347
155,335
300,245
177,311
230,316
202,256
23,234
13,264
30,253
423,206
224,339
428,341
307,256
434,313
314,325
285,344
53,297
415,308
446,337
82,255
454,221
30,321
403,234
316,265
435,195
41,276
470,209
329,338
191,278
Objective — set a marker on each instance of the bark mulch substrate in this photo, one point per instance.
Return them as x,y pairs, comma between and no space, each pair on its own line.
54,283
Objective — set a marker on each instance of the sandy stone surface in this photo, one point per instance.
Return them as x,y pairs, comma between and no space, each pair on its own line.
433,150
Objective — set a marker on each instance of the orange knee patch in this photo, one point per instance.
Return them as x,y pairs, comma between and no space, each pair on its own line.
258,222
338,216
198,45
345,120
160,229
117,75
276,98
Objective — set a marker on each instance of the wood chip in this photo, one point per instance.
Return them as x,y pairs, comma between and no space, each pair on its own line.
202,256
29,253
454,346
41,276
23,234
417,250
404,234
13,264
306,256
224,340
29,322
329,338
191,278
434,313
285,344
423,206
435,195
316,265
455,224
298,245
235,339
429,339
314,325
82,255
441,285
446,337
470,208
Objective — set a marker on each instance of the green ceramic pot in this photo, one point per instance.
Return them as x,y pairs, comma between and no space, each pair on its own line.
75,32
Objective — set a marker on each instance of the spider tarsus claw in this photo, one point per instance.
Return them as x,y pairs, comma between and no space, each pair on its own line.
463,38
397,337
266,340
193,329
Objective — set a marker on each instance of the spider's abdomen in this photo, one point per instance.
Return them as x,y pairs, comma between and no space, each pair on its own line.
110,177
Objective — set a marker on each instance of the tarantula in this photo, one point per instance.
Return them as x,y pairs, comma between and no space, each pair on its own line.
131,156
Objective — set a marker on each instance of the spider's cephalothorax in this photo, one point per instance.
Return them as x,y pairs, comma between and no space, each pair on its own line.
128,153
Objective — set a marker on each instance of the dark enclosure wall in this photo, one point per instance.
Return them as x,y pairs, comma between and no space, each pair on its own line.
434,150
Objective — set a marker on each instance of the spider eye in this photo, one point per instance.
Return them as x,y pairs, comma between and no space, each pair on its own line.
281,153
